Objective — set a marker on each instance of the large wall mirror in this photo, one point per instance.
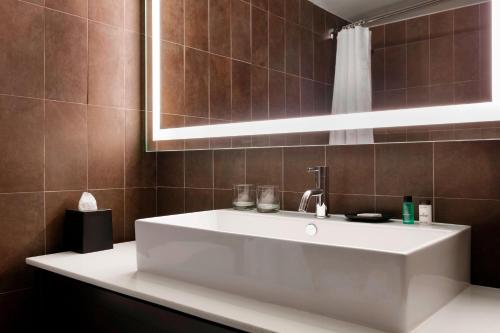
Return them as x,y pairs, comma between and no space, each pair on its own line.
262,73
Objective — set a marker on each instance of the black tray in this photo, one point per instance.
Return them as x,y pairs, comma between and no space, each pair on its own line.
355,218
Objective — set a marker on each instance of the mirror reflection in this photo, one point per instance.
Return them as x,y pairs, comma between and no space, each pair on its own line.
231,61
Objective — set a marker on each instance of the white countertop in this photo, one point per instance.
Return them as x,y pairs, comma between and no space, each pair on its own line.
477,309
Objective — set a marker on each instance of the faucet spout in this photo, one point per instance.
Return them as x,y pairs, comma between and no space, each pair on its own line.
304,202
321,192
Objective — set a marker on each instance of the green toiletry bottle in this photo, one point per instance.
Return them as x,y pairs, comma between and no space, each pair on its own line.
408,210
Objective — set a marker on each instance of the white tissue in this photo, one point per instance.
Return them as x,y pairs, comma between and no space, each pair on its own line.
87,203
321,210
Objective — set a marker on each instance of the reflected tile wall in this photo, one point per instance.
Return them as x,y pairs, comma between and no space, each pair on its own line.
235,52
438,59
433,60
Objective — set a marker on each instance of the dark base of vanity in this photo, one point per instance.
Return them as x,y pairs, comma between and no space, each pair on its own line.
68,305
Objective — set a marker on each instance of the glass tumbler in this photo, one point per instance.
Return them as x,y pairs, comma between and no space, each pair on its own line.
244,197
268,199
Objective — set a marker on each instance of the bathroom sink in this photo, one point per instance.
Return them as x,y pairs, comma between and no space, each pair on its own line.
390,277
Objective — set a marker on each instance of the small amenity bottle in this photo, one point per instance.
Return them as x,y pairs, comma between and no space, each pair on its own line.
408,210
425,212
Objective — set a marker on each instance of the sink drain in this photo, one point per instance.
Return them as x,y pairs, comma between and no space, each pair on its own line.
311,229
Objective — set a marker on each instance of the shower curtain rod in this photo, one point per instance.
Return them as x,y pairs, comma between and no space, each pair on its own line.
384,16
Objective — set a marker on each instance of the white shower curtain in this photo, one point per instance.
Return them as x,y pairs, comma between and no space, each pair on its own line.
352,91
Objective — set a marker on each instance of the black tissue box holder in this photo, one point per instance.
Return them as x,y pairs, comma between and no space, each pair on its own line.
86,232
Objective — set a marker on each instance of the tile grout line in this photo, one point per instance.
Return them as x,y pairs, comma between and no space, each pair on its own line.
213,179
75,15
453,55
433,212
375,178
44,140
268,17
184,94
282,153
209,57
125,115
87,28
231,66
184,180
229,189
406,69
250,8
245,160
184,47
100,106
300,71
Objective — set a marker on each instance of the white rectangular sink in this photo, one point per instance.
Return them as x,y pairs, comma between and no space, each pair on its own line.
386,276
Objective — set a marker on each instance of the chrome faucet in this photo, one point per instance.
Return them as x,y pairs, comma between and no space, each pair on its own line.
320,192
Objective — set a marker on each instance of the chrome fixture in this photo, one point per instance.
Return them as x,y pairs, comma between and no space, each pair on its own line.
320,192
332,34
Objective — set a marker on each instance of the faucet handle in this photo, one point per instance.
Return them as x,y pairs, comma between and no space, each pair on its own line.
318,169
313,169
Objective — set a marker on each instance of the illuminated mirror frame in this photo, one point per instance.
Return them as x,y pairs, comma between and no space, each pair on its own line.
436,115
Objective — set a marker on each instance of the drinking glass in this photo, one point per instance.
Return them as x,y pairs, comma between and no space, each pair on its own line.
244,196
268,199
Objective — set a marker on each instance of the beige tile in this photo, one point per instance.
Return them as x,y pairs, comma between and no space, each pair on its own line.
21,54
134,96
170,201
66,69
404,169
198,200
171,169
21,144
197,83
240,30
75,7
352,169
229,168
196,20
140,168
199,169
114,200
107,11
139,203
106,140
22,236
106,79
220,18
65,146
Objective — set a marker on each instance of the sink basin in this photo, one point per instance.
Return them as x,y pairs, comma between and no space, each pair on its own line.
386,276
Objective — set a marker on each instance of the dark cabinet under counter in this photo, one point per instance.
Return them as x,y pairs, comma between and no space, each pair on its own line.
68,305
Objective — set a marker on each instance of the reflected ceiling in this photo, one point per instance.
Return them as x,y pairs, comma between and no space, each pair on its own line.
353,10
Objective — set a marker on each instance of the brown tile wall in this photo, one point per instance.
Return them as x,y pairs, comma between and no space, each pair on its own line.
241,60
439,59
461,178
71,120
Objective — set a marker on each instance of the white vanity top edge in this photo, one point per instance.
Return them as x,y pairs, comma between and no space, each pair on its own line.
475,309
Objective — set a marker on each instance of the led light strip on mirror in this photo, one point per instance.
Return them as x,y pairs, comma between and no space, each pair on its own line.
437,115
